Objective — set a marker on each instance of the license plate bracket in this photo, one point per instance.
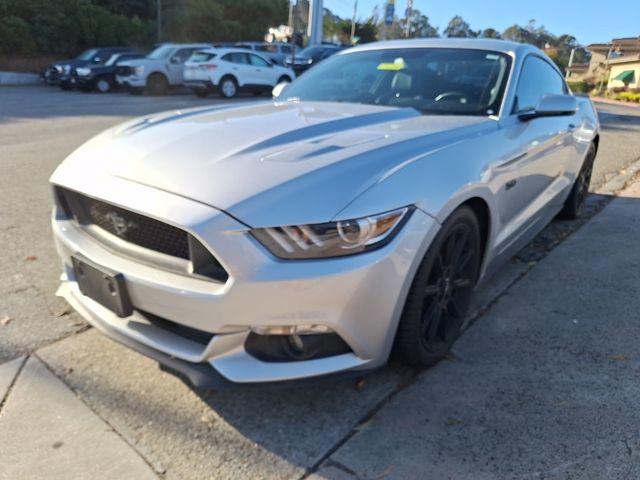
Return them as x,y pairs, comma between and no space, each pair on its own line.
103,285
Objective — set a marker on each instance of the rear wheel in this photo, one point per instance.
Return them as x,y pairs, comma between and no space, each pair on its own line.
228,87
440,294
573,205
157,84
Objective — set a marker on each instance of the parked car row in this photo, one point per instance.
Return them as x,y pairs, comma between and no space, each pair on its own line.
204,68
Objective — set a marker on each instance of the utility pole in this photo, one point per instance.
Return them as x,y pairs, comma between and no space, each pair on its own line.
290,22
315,22
353,21
159,20
568,72
408,12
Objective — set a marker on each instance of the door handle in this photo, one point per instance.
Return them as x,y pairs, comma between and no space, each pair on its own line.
572,127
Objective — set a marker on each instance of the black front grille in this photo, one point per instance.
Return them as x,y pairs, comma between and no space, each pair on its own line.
124,71
193,334
140,230
137,229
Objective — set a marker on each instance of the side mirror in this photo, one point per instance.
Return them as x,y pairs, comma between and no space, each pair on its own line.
552,105
278,89
175,60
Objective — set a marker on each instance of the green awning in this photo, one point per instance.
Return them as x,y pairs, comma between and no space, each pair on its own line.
626,76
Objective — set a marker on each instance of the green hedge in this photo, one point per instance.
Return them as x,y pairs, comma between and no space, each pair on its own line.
580,86
30,27
628,97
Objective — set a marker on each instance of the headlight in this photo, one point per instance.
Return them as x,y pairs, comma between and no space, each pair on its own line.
83,72
309,61
139,71
66,69
58,68
334,239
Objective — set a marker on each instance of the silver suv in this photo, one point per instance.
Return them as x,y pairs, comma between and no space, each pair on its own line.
161,69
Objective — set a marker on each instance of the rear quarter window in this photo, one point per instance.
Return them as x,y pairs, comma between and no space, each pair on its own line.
200,57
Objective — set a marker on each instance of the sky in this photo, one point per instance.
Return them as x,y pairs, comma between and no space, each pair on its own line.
590,21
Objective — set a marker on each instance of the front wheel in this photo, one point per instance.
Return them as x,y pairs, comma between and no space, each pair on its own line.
103,85
440,294
573,205
157,84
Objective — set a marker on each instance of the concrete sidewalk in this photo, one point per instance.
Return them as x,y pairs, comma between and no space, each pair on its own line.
544,385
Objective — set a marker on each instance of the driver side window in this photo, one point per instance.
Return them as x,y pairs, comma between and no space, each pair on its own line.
537,78
182,55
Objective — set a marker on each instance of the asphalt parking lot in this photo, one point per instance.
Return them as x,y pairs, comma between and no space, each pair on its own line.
268,432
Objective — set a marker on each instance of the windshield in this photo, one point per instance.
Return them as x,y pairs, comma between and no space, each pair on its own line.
161,53
447,81
87,54
112,59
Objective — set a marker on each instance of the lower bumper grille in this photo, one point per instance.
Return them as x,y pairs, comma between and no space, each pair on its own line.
128,230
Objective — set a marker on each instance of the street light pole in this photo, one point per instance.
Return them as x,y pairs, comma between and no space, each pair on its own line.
159,20
408,12
568,72
353,21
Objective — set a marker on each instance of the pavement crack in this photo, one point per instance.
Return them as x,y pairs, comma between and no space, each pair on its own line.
4,399
160,474
363,420
629,449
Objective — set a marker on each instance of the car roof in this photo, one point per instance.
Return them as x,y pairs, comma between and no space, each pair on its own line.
503,46
225,50
188,45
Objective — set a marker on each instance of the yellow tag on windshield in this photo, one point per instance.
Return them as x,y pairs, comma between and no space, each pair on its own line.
398,64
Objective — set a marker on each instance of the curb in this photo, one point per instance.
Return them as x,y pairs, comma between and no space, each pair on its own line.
13,78
615,102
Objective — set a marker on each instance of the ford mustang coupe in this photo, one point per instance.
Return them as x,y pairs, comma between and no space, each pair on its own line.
348,219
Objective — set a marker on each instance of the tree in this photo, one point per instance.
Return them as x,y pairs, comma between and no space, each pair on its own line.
490,33
459,28
419,26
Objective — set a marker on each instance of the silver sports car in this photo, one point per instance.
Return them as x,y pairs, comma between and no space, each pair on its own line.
348,219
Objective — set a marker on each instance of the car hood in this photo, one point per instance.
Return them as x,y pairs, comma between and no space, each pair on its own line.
73,63
271,163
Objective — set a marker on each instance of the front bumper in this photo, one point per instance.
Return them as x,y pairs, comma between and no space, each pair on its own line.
360,297
132,82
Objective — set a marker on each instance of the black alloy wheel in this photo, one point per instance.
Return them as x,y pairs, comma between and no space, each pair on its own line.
575,201
439,297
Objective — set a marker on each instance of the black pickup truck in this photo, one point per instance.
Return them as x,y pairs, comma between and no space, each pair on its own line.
100,78
59,73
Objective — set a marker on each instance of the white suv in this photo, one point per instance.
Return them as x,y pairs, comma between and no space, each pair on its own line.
229,70
161,69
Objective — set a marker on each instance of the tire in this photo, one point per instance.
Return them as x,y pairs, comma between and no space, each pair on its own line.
103,85
439,297
575,201
157,84
284,78
228,87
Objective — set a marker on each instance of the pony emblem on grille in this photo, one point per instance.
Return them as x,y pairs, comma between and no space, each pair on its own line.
120,224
